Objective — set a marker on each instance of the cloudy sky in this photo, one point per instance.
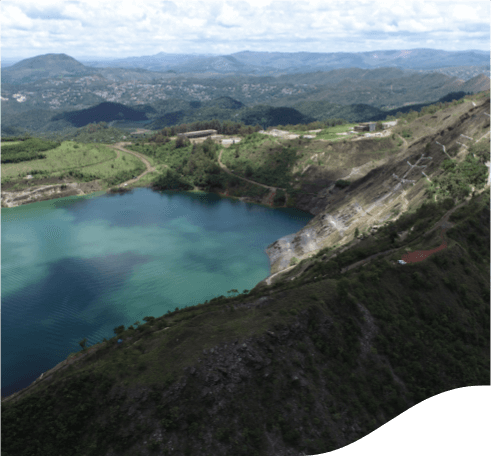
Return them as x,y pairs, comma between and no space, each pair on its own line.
123,28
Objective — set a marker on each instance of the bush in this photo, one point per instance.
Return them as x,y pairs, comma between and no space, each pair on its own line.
341,183
182,142
171,180
119,330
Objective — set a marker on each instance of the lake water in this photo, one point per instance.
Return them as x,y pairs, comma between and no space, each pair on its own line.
78,267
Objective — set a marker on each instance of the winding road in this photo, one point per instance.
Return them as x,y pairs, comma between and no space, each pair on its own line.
119,147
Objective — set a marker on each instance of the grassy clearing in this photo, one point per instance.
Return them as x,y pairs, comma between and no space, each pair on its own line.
68,156
78,162
9,143
331,132
125,162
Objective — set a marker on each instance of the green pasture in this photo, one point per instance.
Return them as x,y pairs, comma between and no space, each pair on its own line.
107,169
328,133
71,156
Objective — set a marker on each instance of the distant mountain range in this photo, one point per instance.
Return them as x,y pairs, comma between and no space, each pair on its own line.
275,63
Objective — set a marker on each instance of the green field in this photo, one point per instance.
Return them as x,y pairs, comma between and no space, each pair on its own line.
6,144
328,133
82,162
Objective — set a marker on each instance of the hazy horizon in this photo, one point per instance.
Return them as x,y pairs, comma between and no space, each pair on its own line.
87,29
109,58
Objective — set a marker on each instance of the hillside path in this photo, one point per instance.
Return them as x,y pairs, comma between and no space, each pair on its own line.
269,198
120,147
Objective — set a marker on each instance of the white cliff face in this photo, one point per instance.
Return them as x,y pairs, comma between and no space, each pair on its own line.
297,244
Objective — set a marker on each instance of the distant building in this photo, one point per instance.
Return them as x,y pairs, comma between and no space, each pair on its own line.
387,125
198,133
365,127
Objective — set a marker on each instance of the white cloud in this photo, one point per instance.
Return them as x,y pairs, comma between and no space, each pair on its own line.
131,27
465,13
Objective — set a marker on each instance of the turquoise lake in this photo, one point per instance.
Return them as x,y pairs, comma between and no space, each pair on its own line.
78,267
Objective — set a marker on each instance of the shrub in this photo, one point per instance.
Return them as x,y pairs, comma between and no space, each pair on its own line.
341,183
293,261
119,330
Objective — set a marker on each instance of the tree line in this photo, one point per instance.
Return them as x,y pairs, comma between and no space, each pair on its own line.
29,149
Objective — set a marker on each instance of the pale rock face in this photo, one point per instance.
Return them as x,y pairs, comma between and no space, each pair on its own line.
295,245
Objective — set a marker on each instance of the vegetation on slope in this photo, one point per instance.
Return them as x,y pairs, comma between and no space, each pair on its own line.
25,150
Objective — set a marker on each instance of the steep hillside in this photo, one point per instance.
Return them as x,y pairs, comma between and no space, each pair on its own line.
326,349
380,190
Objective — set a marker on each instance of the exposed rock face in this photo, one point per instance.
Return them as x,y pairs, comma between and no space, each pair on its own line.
12,199
299,244
48,192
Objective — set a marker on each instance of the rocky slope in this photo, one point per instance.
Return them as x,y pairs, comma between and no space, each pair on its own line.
378,194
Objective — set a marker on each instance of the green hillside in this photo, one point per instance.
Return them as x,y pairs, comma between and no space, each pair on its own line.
103,112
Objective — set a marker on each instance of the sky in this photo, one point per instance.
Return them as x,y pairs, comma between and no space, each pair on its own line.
124,28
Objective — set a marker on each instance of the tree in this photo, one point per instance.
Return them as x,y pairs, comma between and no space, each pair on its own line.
83,343
119,330
181,141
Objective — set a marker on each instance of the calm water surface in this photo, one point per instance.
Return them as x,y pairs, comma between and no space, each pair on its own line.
78,267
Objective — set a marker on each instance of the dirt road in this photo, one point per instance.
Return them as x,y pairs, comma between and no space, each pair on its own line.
119,146
269,198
